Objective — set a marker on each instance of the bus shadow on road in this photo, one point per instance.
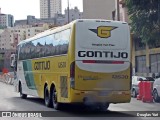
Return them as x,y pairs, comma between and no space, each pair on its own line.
36,100
85,111
30,99
70,110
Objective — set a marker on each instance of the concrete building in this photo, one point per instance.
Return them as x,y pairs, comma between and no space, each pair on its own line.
6,20
48,8
105,9
73,14
145,57
123,12
55,7
100,9
6,48
31,20
10,37
57,20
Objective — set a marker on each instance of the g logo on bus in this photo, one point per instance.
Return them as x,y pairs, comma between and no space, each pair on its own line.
103,31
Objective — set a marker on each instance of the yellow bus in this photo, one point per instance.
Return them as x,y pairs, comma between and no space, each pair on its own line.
86,61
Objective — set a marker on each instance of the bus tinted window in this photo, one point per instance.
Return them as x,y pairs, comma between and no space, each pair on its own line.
54,44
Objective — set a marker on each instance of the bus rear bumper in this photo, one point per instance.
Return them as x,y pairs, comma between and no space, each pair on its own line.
89,97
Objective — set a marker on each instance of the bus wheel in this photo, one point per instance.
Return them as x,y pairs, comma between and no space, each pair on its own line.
103,106
23,96
47,97
55,103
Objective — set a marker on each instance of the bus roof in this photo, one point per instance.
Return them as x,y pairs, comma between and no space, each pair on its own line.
57,29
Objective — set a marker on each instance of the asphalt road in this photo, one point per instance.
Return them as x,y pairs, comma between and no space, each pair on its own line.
10,101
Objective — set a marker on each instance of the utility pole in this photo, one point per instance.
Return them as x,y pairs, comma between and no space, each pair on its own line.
68,11
158,12
118,15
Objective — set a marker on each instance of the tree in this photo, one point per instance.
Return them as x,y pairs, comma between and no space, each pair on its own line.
145,19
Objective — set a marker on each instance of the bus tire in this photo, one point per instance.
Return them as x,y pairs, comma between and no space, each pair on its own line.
23,96
55,103
47,98
103,106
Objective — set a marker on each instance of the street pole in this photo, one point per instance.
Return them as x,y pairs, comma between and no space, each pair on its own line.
118,15
159,30
68,11
158,12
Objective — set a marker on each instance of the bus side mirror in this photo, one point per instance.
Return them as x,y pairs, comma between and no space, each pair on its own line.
12,60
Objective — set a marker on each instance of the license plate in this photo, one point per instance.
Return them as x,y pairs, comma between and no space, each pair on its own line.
103,93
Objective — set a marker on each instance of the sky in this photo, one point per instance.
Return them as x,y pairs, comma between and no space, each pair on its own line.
21,8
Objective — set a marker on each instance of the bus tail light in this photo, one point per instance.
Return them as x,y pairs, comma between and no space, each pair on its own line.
131,72
72,74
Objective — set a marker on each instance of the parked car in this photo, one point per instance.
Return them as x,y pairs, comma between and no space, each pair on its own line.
156,90
135,82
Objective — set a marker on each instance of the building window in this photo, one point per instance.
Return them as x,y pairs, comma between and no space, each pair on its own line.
141,64
155,63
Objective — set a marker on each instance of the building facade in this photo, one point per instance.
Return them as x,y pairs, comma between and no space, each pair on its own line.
99,9
10,37
73,14
6,20
123,12
6,48
48,8
31,20
57,20
145,57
